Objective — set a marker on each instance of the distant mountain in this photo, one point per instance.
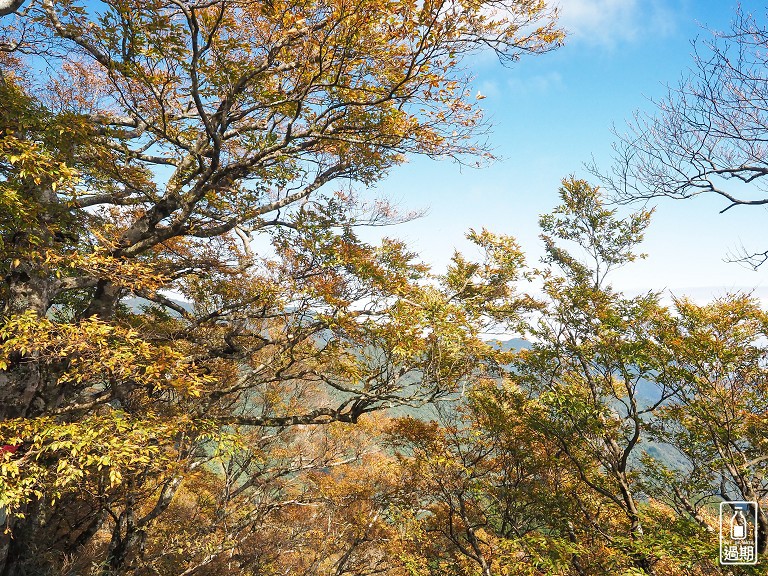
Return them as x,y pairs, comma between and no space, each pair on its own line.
647,393
514,344
137,304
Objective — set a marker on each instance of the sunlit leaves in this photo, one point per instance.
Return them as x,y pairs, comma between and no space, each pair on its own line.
93,454
583,219
177,270
95,353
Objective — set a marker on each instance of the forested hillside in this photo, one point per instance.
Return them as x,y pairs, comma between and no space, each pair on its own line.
205,370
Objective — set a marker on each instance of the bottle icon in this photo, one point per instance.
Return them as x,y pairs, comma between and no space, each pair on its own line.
738,525
738,532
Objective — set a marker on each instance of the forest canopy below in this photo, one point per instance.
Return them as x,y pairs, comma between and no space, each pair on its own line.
204,370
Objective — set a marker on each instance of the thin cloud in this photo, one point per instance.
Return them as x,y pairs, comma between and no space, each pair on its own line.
611,22
539,84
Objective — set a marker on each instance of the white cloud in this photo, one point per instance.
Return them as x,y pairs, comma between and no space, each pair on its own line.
609,22
537,84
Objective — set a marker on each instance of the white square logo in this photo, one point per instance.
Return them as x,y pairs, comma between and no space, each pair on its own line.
738,533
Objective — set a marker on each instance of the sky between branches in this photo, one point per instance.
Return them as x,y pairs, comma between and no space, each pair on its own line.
553,113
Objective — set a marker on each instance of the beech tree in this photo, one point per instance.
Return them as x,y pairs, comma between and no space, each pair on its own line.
714,419
539,473
485,495
183,288
707,136
592,354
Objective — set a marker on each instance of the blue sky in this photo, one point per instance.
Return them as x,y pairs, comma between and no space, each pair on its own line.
553,113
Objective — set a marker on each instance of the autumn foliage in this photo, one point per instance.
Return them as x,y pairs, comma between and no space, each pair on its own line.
205,370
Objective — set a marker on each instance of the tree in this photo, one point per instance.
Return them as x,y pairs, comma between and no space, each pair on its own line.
485,496
591,359
183,289
540,471
715,416
707,136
